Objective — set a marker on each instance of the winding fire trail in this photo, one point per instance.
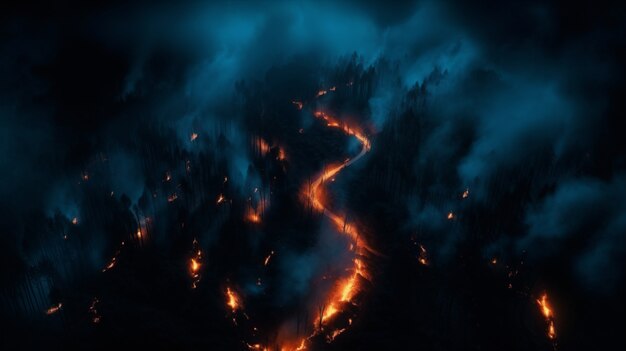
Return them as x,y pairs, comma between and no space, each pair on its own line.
346,288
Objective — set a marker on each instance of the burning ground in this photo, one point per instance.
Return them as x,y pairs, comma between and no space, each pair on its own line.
313,176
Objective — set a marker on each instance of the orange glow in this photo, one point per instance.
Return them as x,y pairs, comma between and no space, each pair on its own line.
172,197
168,176
139,233
193,136
74,221
195,263
423,256
465,194
267,259
85,176
232,300
548,314
54,309
494,260
282,155
450,216
321,92
332,88
220,199
262,146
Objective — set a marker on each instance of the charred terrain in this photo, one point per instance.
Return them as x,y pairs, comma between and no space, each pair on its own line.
313,176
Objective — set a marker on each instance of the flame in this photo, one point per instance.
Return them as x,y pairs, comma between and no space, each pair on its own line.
494,260
465,194
232,300
423,256
85,176
193,136
113,260
298,104
450,216
267,259
54,309
139,233
168,176
262,146
321,92
75,221
195,263
220,199
548,314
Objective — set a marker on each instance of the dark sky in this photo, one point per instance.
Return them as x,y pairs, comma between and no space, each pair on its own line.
520,102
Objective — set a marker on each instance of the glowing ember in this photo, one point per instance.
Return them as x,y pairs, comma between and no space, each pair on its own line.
168,176
54,309
195,263
321,92
220,199
139,233
494,260
332,88
465,194
232,300
85,176
298,104
193,136
74,221
262,146
95,316
113,260
267,259
548,314
423,256
450,216
172,197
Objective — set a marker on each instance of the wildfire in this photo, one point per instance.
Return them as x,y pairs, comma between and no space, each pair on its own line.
195,263
450,216
220,199
267,259
193,136
321,92
139,233
113,260
262,146
423,256
54,309
232,300
85,176
548,314
494,260
298,104
168,176
465,194
75,221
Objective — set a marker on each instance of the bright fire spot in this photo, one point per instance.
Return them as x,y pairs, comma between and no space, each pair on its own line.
548,314
220,199
465,194
75,221
195,263
423,256
298,104
267,259
450,216
494,260
321,92
139,233
194,136
168,176
262,146
282,155
54,309
232,299
172,197
85,176
113,260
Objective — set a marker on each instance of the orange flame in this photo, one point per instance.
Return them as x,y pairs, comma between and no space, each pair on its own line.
267,259
220,199
75,221
450,216
172,197
298,104
195,263
54,309
548,314
193,136
232,300
465,194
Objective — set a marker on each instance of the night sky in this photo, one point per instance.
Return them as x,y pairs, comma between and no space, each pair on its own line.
313,175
